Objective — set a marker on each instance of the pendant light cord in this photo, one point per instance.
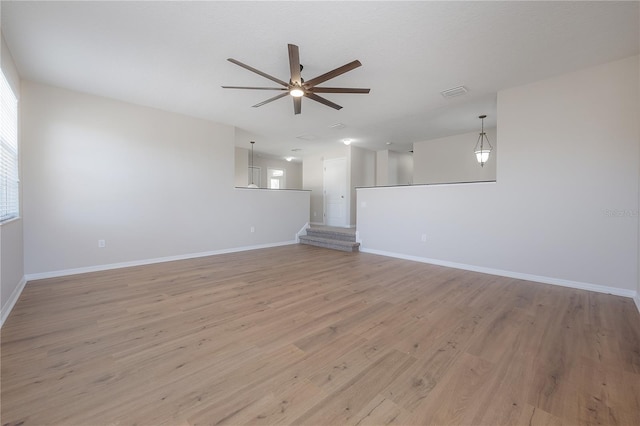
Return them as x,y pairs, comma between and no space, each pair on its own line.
252,142
482,139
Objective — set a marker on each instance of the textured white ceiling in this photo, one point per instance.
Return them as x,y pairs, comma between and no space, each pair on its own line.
172,56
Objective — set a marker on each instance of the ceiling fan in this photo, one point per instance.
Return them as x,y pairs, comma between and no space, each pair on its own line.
297,88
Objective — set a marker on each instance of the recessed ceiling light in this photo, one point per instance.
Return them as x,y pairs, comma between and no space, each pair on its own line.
347,141
389,143
454,91
288,158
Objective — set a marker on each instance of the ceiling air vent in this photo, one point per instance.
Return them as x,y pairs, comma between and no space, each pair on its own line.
337,126
307,137
454,91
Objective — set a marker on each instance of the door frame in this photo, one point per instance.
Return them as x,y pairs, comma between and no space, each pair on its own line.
346,196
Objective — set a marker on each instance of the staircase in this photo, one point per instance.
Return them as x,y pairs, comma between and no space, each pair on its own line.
343,239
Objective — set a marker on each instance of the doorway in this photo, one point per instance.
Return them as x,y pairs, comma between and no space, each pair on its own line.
336,196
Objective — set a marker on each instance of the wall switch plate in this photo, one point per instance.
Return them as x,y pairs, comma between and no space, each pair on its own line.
102,243
423,238
253,229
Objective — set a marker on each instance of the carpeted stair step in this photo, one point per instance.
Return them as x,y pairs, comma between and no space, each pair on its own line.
330,243
332,234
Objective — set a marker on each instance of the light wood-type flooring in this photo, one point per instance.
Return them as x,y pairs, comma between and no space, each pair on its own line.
308,336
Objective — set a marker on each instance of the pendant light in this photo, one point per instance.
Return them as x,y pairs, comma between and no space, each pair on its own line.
483,147
252,185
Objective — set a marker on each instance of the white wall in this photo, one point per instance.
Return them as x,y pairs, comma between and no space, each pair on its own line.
293,170
382,167
313,175
362,169
11,248
400,169
153,184
568,172
452,159
393,168
241,167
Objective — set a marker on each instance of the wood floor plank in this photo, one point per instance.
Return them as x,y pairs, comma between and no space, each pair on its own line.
457,397
303,335
379,411
354,395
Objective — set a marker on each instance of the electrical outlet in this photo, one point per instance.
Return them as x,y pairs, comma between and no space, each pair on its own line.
102,243
423,238
253,229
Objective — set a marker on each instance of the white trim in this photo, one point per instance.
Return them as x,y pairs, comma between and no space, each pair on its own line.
413,185
8,307
15,295
302,231
529,277
317,223
13,219
97,268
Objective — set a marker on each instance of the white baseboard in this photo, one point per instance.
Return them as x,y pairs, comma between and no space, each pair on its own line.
529,277
6,310
97,268
15,295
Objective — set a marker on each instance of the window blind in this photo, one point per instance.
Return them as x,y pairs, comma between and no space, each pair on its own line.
9,202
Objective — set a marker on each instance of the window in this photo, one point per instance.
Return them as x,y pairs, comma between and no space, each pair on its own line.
275,178
9,203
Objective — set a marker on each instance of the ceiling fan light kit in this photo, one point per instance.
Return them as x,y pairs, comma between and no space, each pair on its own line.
297,87
296,92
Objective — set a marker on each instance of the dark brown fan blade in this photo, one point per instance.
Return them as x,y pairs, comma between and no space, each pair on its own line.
265,75
297,105
254,88
294,64
322,100
338,90
282,95
334,73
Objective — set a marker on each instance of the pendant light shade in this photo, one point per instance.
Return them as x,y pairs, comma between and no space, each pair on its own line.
483,146
252,185
482,156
